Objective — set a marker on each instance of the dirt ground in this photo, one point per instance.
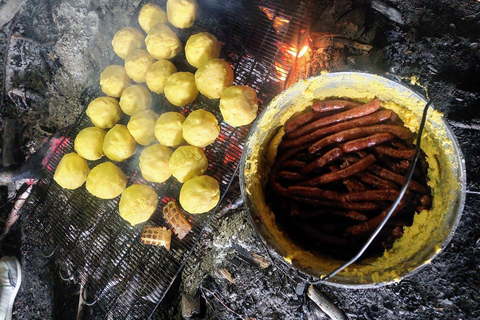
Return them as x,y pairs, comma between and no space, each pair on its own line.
52,52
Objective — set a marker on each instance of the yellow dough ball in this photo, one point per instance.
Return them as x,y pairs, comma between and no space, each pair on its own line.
142,126
138,203
150,15
238,105
113,80
126,40
162,42
135,98
182,13
213,77
180,89
187,162
137,64
168,129
154,163
104,112
200,128
158,73
119,144
106,181
199,194
200,48
89,143
71,171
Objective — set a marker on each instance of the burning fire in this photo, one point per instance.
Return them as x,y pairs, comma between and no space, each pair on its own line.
290,53
282,73
279,22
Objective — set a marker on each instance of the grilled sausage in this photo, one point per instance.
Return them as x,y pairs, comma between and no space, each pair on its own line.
323,160
331,105
367,142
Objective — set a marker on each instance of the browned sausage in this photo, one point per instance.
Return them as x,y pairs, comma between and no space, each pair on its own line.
301,119
294,164
367,142
356,112
343,173
351,184
375,181
331,105
357,206
359,132
392,176
372,195
376,117
323,160
391,152
312,192
289,175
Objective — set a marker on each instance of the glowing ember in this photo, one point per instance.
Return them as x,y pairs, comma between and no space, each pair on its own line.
279,23
282,73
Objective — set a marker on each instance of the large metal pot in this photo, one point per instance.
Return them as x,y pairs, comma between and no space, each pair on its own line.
430,232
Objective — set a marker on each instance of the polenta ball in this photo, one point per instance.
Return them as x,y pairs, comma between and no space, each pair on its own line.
157,75
168,129
138,203
187,162
135,98
182,13
200,48
213,77
142,126
162,42
89,143
150,15
154,163
200,128
71,171
137,64
126,40
113,80
119,144
238,105
106,181
104,112
180,89
199,194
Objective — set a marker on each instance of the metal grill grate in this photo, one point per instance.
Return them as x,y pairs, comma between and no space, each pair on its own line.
94,246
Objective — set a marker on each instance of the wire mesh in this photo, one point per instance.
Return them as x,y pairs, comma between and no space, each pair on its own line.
97,248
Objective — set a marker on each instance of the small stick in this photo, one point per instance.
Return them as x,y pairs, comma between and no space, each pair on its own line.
325,305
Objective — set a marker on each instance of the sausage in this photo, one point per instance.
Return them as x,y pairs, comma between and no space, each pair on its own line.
356,112
367,142
312,192
331,105
343,173
300,120
376,117
323,160
351,184
294,164
357,206
391,152
372,195
358,132
375,181
289,175
392,176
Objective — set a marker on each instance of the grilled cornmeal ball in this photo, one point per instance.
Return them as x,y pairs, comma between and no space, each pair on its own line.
150,15
142,126
201,47
137,64
104,112
187,162
106,181
168,129
71,172
119,144
157,75
135,98
138,203
200,128
180,89
162,42
154,163
213,77
126,40
113,80
89,143
182,13
238,105
199,194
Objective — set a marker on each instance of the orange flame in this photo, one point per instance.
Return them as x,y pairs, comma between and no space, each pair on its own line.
282,73
278,22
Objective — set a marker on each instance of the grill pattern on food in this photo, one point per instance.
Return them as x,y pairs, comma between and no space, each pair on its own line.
175,219
157,236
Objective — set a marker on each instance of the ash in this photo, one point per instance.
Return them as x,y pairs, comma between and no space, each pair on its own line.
52,53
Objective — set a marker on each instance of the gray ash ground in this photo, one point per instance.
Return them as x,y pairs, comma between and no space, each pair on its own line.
53,52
